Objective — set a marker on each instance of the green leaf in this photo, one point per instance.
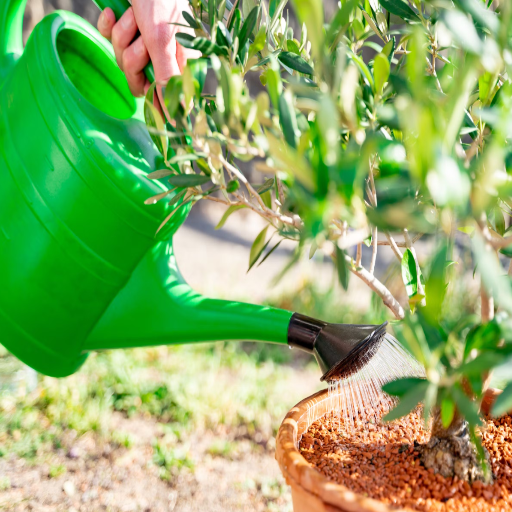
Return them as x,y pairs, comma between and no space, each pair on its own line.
267,199
363,68
291,161
248,27
259,42
411,279
389,49
258,247
178,159
482,363
435,287
172,95
212,13
288,119
190,19
503,403
162,173
154,120
408,402
466,406
486,84
482,337
272,6
311,13
270,252
177,197
399,8
188,180
292,46
485,17
205,46
341,19
463,30
269,183
381,68
227,213
199,68
274,84
296,63
447,412
343,270
400,387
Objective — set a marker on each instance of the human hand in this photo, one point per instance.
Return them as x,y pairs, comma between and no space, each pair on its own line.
156,42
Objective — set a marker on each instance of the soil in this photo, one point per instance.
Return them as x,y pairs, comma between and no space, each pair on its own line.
103,477
381,462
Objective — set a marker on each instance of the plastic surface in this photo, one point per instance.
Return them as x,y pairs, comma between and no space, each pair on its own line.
80,266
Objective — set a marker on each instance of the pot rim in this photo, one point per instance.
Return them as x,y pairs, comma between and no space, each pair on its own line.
299,472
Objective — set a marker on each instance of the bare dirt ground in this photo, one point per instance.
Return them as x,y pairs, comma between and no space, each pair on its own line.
100,477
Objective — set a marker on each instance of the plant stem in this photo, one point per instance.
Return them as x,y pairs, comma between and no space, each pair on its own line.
379,288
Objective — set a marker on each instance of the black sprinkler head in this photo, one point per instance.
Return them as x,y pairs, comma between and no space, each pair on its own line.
340,349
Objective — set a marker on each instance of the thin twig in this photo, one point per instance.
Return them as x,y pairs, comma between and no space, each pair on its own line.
394,246
379,288
359,255
375,244
400,244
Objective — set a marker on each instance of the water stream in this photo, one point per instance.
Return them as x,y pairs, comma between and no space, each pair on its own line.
359,399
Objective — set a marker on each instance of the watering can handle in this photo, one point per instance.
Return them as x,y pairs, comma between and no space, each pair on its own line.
120,7
11,33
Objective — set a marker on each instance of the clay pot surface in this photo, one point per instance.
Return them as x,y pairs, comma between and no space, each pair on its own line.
311,490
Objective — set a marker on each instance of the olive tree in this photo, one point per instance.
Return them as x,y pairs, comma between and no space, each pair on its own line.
387,124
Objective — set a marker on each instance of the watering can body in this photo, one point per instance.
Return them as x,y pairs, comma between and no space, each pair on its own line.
80,265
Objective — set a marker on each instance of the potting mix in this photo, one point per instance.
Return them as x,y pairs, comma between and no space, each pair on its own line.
380,461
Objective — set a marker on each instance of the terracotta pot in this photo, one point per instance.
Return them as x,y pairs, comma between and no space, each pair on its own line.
311,490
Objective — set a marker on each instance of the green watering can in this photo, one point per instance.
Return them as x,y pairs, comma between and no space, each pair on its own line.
81,268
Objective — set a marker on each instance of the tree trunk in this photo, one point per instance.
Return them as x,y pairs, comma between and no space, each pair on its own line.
450,451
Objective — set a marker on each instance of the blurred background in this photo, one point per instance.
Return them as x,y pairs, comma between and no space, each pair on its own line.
176,428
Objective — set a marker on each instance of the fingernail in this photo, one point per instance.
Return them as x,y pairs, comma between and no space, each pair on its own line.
127,19
102,21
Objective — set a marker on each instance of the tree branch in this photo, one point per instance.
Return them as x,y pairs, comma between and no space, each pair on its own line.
379,288
375,244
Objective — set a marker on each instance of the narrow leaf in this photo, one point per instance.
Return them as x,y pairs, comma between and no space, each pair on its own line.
296,63
188,180
447,412
399,8
227,213
400,387
343,271
258,247
408,402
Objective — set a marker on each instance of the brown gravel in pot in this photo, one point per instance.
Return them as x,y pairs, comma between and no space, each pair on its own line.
379,461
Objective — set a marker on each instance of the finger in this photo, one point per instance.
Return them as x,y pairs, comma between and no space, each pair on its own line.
106,23
135,59
123,34
159,35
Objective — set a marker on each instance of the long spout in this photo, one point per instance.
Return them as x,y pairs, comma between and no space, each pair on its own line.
157,307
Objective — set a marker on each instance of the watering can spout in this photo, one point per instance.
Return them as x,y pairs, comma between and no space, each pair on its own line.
157,307
11,34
